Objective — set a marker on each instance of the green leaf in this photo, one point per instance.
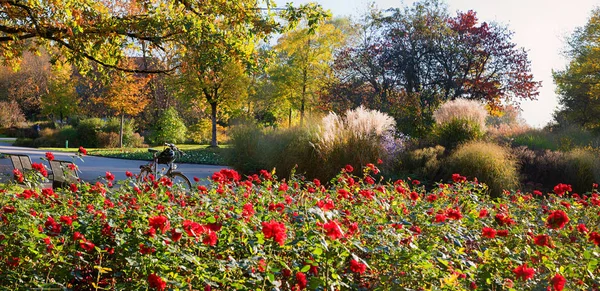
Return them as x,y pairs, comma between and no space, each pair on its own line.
318,251
305,269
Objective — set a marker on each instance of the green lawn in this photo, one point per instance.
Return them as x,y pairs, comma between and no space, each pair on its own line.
195,154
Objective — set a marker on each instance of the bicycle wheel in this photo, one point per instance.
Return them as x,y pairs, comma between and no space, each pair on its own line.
179,178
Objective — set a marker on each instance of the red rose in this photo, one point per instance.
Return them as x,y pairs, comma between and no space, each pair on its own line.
110,177
561,188
502,232
275,230
557,219
87,245
488,232
40,168
523,272
440,217
595,238
159,222
248,210
357,267
50,156
82,151
542,240
457,178
301,278
558,282
18,175
332,230
582,228
156,282
349,168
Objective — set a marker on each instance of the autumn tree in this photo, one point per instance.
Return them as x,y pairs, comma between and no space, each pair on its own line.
126,94
413,59
304,63
61,100
578,85
26,83
106,32
219,88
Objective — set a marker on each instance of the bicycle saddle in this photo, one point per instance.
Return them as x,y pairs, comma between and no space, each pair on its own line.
153,151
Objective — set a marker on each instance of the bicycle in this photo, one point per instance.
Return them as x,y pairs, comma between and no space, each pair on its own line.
168,157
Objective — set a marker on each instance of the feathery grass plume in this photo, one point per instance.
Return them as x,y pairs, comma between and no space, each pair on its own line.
359,137
461,108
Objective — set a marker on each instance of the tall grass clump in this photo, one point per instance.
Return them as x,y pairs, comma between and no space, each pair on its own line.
424,164
488,162
320,148
255,148
359,137
459,121
582,168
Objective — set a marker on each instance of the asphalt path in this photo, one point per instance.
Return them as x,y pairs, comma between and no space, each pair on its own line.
94,167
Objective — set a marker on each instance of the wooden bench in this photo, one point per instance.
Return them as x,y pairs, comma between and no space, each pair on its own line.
63,175
19,162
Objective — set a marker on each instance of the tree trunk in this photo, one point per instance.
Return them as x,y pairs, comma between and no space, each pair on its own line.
290,118
121,131
303,100
213,116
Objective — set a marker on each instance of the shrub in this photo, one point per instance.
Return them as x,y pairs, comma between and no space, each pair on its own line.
488,162
540,169
67,133
87,132
169,128
136,141
424,164
108,139
10,114
245,154
582,169
459,121
456,131
255,148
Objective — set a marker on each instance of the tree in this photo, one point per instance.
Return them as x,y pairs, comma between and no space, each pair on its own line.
126,95
304,63
61,99
27,82
169,128
104,32
414,59
578,85
10,114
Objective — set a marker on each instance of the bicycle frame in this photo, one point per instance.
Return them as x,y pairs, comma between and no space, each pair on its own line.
153,165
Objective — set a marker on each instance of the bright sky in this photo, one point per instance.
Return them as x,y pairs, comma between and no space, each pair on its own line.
539,26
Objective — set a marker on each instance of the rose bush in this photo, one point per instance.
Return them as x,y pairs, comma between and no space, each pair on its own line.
262,233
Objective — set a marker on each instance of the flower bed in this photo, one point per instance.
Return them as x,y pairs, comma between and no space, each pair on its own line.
264,233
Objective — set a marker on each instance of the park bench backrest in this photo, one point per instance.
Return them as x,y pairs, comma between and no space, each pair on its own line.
63,175
20,162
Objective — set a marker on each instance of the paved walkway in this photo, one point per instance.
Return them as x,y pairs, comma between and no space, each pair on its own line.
93,167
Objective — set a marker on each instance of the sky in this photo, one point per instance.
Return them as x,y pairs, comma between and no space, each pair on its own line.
539,26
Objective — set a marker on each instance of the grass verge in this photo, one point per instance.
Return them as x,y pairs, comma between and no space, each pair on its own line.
194,154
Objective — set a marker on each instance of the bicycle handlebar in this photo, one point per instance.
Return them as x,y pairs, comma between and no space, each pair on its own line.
174,148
